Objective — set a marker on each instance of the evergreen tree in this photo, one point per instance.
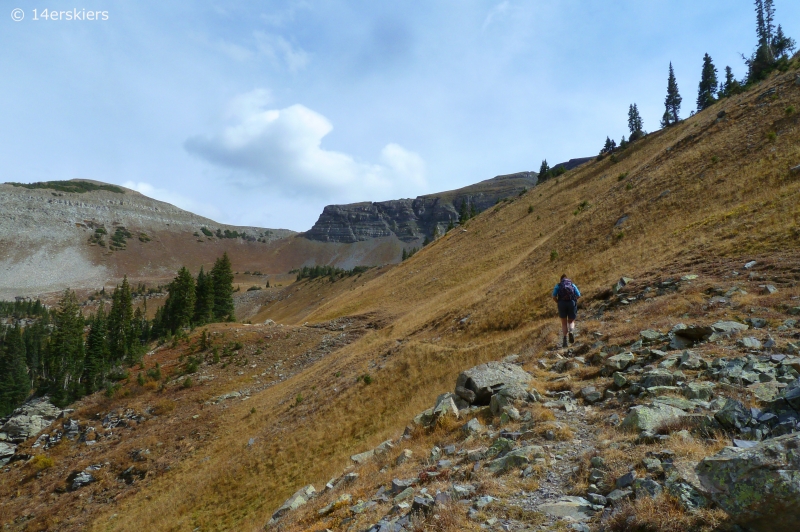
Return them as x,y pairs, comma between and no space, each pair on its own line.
15,384
463,212
65,353
473,212
544,171
782,45
119,323
204,302
181,301
450,226
96,363
635,123
730,86
708,84
222,279
672,102
609,146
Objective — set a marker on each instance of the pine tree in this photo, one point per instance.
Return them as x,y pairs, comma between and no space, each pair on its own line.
204,302
672,102
635,124
181,301
222,279
15,384
120,318
708,84
730,86
405,255
96,364
782,45
544,171
463,212
450,226
65,353
609,146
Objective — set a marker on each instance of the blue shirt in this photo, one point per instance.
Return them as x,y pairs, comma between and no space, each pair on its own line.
577,292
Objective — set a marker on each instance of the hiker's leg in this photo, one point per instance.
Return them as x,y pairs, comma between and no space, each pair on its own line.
564,327
571,324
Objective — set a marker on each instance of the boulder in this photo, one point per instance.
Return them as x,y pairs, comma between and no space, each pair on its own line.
758,487
30,419
486,379
473,426
506,396
516,458
649,417
576,508
750,343
645,487
683,484
657,377
620,362
591,395
650,337
703,391
734,415
695,333
363,458
301,497
7,450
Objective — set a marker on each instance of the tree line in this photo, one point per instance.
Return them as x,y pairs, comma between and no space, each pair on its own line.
66,355
772,52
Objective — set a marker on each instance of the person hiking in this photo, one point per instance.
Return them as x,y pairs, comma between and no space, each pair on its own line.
566,295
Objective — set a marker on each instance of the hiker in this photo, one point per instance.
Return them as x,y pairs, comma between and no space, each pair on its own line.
566,295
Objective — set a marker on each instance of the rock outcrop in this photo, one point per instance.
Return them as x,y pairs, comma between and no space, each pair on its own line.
411,220
758,487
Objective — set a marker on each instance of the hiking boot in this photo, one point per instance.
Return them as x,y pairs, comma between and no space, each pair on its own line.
565,342
571,338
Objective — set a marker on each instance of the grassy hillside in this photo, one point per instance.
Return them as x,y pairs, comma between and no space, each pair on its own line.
703,196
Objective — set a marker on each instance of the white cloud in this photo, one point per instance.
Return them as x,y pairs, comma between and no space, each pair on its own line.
282,148
180,201
280,51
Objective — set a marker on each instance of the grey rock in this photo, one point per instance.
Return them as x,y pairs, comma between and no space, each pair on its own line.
703,391
649,417
653,466
423,504
758,487
591,395
80,480
576,508
626,480
486,379
516,458
649,337
750,343
30,419
364,457
657,377
300,498
405,456
619,496
695,333
473,426
596,498
683,484
620,381
645,487
733,415
399,485
729,327
620,362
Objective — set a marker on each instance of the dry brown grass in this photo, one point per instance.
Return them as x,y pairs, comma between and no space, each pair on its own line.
662,514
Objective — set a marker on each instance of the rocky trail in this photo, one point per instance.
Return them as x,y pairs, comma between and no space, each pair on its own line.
687,427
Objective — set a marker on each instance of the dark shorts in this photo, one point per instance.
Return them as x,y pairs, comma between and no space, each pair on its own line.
568,309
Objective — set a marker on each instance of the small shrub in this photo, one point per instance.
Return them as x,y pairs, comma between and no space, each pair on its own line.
772,136
253,410
628,186
163,407
530,209
155,372
41,462
619,235
553,255
140,379
613,159
622,176
215,355
366,378
187,383
714,160
790,110
237,346
111,390
298,399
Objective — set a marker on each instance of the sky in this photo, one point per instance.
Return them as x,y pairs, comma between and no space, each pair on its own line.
261,113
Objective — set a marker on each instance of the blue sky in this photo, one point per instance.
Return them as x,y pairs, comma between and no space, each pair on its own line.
261,113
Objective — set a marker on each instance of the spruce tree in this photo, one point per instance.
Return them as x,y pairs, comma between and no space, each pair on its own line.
15,384
181,300
730,86
782,45
65,353
672,102
708,84
204,301
544,171
222,279
120,318
96,364
635,124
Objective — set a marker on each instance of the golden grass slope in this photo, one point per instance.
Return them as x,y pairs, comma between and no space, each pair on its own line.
698,195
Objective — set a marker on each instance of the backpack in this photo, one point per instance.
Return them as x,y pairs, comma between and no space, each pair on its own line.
566,291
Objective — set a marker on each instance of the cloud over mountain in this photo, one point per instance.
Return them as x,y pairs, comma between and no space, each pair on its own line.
282,148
